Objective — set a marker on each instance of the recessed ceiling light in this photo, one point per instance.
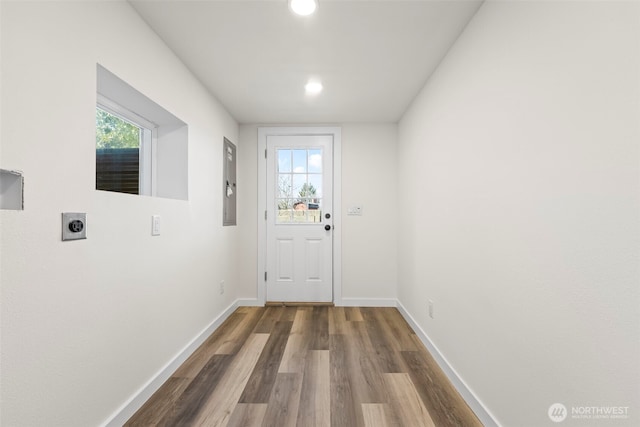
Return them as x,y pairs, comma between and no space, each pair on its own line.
303,7
313,88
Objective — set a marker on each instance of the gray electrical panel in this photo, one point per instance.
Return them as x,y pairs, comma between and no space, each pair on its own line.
229,190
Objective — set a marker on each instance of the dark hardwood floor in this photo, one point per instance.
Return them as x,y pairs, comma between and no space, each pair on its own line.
309,366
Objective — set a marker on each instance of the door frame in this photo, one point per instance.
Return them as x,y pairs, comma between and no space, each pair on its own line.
336,133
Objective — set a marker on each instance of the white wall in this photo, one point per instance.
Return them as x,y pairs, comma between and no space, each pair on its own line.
368,242
520,161
247,208
85,324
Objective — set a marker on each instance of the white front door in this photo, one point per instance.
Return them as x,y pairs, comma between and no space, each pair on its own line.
299,212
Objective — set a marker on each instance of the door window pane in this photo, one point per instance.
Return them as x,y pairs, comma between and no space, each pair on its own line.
299,181
284,210
300,161
314,212
315,184
299,192
315,161
284,186
284,160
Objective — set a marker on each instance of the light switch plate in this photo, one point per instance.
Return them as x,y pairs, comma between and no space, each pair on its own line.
74,225
155,225
355,210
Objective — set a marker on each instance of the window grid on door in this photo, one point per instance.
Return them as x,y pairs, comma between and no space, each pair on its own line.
299,186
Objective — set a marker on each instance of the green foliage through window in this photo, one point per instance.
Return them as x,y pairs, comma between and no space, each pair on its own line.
114,132
307,191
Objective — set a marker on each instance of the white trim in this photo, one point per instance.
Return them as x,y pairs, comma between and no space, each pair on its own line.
148,142
263,132
154,163
262,215
369,302
467,394
337,216
249,302
123,113
135,402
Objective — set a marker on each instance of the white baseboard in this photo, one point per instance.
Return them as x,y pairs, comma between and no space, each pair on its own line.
467,394
345,302
369,302
135,402
249,302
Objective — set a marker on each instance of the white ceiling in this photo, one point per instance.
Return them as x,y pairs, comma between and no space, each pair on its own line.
256,56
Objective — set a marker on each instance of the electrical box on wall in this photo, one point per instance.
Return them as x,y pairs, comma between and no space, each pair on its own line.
229,188
11,190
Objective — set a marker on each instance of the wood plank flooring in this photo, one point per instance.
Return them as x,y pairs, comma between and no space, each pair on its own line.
309,366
